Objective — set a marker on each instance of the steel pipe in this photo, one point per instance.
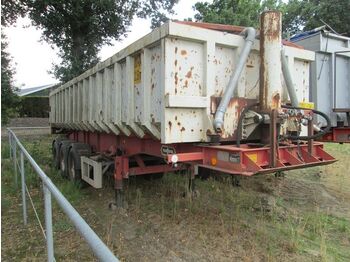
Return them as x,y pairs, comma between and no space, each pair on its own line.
24,202
249,36
101,251
270,66
48,224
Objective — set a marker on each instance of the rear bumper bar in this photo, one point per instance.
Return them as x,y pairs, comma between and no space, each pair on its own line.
249,161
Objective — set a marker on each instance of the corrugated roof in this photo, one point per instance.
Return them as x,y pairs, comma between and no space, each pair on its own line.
31,90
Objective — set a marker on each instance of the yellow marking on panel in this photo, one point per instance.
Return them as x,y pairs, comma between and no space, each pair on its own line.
253,157
137,69
308,105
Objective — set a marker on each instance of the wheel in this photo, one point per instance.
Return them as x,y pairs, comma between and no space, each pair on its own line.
73,171
74,162
63,156
55,151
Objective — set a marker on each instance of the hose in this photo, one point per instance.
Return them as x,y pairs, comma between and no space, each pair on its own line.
319,134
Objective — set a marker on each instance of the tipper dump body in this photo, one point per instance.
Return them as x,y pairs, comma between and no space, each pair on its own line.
329,79
168,84
191,96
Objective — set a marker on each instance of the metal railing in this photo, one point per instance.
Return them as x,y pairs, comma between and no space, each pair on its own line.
101,251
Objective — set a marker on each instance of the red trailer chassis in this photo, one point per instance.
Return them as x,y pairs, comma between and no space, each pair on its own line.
337,135
246,160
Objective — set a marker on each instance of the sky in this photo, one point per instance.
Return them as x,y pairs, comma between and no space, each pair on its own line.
33,58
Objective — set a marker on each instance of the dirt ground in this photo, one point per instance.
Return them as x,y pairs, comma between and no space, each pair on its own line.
303,216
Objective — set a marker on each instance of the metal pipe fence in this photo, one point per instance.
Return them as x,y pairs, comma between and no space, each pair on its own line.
101,251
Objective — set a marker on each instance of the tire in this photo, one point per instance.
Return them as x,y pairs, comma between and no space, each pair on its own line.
63,156
55,150
73,171
74,161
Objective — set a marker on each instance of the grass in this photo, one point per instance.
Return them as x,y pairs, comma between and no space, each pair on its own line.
304,216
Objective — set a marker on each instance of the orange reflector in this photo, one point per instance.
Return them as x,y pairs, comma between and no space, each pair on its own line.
213,161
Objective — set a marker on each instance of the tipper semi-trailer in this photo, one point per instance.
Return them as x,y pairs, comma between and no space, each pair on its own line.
329,80
190,96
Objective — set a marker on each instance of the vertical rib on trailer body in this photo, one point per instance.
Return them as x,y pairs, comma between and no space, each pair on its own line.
167,86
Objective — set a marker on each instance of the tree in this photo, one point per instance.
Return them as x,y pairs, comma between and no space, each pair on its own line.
9,100
79,28
306,15
298,15
10,10
234,12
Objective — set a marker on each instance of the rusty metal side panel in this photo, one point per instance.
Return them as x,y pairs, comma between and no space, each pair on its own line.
251,77
224,61
184,77
156,85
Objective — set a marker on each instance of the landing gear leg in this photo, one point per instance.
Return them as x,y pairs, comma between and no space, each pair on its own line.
191,176
118,184
192,172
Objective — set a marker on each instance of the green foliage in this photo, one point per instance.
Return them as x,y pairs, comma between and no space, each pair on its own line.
10,10
9,100
235,12
31,106
80,28
309,14
298,15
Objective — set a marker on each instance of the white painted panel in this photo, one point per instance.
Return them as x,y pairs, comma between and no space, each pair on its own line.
168,95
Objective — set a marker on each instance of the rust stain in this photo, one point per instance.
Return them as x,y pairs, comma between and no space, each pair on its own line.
186,83
176,79
189,74
273,24
183,52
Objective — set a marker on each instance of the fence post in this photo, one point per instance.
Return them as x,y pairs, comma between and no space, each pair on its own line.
48,224
24,202
15,162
